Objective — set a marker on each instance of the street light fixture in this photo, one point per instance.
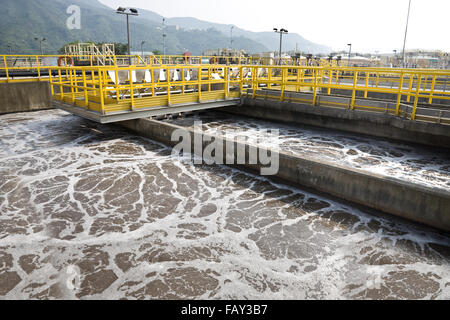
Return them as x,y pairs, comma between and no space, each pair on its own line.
281,32
349,53
40,44
132,12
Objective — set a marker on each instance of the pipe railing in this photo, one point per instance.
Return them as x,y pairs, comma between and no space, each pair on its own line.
125,88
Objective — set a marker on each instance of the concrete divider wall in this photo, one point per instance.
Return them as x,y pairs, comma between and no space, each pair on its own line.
24,96
356,121
393,196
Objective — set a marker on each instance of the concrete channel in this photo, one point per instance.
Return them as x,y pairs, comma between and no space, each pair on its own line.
405,199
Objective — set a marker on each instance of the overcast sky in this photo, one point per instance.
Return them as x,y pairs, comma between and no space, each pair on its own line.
370,25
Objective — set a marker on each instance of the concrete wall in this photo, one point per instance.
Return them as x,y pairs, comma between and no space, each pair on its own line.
393,196
369,123
24,96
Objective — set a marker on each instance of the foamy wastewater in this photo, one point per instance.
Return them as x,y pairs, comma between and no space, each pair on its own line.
426,166
92,211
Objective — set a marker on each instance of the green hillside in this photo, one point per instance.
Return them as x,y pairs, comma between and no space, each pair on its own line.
23,20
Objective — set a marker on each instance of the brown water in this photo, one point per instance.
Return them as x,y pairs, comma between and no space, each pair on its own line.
91,211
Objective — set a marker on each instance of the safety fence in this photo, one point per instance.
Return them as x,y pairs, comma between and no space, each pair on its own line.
115,89
36,67
107,89
407,87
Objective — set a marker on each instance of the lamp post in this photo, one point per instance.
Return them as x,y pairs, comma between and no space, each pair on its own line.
128,12
10,50
281,32
142,48
164,36
349,52
231,41
40,44
406,32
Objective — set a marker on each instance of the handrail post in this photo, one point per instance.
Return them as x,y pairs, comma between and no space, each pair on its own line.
330,76
269,71
355,82
367,84
168,86
51,81
86,100
6,68
130,76
199,79
433,84
116,74
61,88
314,86
226,77
152,72
100,88
416,97
254,82
241,71
399,96
183,79
71,86
411,80
39,70
283,79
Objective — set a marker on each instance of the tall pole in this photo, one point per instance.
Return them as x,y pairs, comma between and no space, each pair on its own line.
281,31
406,32
164,36
349,53
129,41
132,12
231,41
281,44
142,49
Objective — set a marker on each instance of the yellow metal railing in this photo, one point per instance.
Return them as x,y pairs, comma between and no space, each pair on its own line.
113,89
35,67
404,85
147,84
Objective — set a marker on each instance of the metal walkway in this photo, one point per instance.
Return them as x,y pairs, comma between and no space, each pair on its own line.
143,112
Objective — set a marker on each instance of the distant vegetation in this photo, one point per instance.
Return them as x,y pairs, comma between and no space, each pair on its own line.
23,20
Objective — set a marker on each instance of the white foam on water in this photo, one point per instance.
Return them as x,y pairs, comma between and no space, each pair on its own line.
77,193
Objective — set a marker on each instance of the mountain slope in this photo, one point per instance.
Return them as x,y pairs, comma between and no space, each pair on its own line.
23,20
270,40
